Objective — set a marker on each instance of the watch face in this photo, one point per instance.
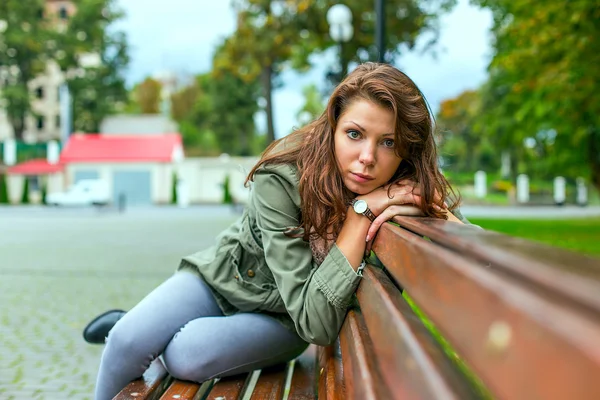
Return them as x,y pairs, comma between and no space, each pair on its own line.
360,206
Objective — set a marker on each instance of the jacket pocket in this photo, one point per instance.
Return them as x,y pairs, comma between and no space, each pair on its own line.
253,284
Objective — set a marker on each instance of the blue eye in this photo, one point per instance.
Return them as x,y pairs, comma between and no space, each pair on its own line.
352,134
389,143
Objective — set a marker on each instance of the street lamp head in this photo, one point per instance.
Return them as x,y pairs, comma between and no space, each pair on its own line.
339,14
341,33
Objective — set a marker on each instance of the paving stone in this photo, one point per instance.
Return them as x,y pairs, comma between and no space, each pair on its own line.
59,268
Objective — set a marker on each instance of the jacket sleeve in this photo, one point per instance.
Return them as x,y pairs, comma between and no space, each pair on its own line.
316,298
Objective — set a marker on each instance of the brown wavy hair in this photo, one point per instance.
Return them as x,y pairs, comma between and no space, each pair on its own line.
324,197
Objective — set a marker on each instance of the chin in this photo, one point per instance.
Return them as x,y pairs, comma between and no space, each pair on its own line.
358,189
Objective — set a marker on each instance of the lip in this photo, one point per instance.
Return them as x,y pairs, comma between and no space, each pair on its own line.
361,178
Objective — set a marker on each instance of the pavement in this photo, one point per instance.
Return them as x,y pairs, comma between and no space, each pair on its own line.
61,267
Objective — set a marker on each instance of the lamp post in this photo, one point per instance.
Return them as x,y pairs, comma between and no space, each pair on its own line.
341,30
380,29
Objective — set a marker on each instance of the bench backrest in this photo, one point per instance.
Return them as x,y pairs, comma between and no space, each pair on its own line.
525,317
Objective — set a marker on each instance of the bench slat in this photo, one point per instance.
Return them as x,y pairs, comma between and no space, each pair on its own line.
184,390
512,336
228,388
413,365
150,387
565,275
271,383
302,386
361,376
331,386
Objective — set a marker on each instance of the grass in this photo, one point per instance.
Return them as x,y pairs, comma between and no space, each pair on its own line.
580,235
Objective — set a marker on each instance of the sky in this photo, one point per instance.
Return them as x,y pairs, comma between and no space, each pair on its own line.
179,36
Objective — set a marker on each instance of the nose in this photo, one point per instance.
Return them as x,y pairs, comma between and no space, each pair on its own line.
367,154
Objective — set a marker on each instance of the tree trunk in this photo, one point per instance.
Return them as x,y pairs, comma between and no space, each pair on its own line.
18,124
267,80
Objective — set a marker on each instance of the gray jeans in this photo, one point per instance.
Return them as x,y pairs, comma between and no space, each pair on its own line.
181,320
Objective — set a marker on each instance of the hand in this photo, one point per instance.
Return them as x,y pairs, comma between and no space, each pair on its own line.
403,199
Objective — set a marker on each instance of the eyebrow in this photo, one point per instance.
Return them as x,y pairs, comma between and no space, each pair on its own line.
363,129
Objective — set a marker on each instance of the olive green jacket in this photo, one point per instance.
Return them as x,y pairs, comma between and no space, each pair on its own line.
255,267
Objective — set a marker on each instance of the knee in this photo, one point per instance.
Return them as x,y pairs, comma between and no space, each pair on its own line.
123,340
189,364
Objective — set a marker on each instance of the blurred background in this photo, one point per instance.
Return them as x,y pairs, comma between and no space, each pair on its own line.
127,128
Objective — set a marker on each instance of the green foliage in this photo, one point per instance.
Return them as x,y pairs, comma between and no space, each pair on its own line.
34,36
216,115
25,195
313,104
99,90
22,54
3,190
174,190
147,95
271,35
544,79
227,199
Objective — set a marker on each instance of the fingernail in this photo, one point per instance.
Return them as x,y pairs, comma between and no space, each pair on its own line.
368,237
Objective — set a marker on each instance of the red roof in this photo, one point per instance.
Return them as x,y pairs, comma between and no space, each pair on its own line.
121,148
38,166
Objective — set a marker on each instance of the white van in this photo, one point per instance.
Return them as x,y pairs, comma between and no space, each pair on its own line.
85,192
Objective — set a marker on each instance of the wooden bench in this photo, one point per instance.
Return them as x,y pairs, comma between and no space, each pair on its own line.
519,320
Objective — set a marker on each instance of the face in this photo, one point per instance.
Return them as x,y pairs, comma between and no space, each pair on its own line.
364,146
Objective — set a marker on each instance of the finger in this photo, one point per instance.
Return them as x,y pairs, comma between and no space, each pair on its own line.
368,247
390,213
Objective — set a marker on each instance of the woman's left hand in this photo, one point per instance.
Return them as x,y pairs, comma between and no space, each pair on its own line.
404,192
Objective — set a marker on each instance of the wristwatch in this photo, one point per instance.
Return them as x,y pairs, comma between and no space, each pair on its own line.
361,207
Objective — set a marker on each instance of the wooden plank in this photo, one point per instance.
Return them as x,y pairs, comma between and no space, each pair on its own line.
520,342
330,381
302,386
361,376
271,383
150,387
228,388
568,276
184,390
412,363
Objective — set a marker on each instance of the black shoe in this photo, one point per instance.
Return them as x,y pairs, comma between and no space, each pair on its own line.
96,331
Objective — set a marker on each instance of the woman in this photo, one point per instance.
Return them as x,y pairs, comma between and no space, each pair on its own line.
284,274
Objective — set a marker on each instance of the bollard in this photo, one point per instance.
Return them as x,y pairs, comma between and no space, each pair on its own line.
559,191
183,194
582,198
10,152
480,184
522,189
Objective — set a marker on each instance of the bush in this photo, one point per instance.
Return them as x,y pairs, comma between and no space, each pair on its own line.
501,186
25,196
227,199
174,190
3,190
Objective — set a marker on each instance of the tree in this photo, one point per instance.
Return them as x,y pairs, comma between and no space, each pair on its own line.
97,88
30,38
457,121
148,96
23,55
543,78
205,113
273,33
313,105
